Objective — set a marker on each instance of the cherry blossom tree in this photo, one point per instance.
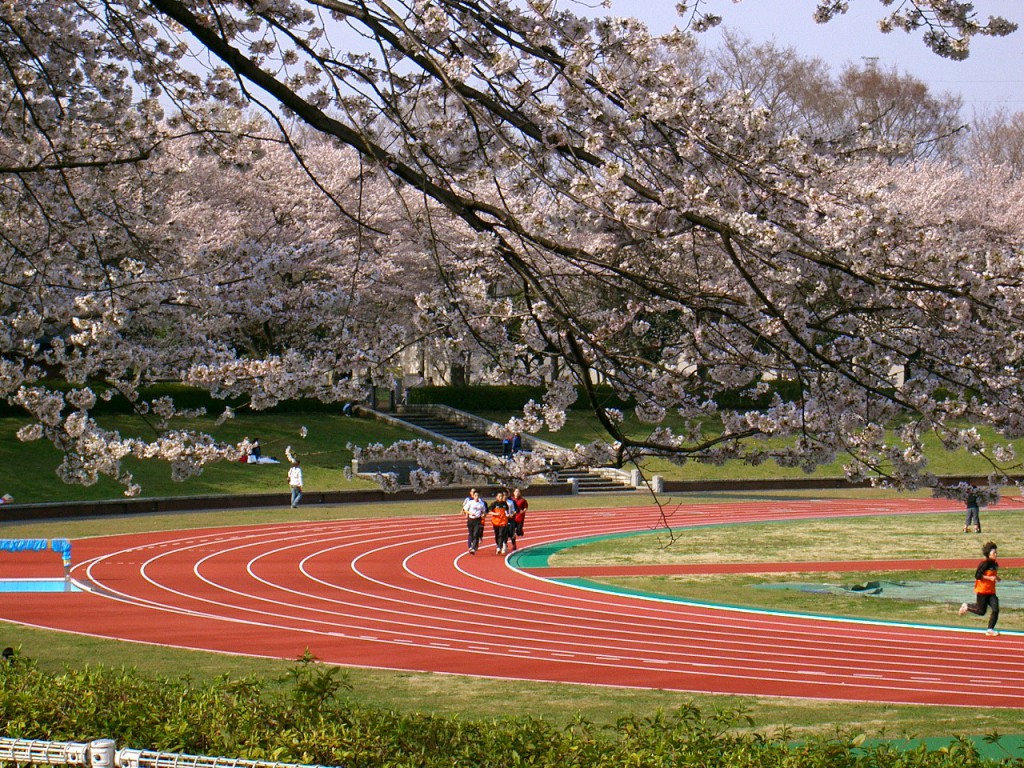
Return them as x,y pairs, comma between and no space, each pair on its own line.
570,194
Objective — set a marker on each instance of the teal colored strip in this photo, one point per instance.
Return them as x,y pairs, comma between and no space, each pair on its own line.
12,586
988,747
539,556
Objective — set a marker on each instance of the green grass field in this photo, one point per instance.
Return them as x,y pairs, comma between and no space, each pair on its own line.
29,472
473,697
582,427
29,469
872,538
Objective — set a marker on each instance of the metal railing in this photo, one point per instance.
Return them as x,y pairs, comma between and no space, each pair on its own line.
103,753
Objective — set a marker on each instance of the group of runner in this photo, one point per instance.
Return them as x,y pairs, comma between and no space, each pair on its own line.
507,513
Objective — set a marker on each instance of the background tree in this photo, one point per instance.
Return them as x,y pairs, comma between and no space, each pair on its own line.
896,113
997,138
862,108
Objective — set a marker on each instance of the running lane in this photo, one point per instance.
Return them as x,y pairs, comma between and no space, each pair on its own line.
404,594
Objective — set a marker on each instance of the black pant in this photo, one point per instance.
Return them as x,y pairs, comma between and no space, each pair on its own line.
984,603
475,528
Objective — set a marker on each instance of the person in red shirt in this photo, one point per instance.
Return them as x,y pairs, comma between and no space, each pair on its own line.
985,577
517,506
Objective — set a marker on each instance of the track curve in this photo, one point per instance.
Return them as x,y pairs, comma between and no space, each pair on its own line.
402,593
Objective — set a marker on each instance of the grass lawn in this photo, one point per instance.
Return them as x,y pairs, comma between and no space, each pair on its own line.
29,472
870,538
890,537
583,427
29,469
475,698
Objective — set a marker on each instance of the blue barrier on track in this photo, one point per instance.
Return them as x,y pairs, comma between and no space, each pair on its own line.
24,545
61,546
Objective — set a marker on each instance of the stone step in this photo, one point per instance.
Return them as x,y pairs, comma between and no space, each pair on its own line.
587,481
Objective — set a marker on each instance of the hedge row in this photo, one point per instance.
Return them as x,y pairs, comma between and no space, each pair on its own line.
472,399
510,398
311,717
503,398
184,397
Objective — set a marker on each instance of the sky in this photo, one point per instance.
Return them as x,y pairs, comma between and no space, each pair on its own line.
992,78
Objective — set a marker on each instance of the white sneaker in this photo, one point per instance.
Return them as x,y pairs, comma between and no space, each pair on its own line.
963,610
497,550
992,632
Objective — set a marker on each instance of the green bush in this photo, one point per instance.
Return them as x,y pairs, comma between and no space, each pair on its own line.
184,397
512,398
742,400
472,399
501,398
311,716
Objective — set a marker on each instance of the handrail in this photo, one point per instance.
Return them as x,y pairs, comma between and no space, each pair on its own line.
103,753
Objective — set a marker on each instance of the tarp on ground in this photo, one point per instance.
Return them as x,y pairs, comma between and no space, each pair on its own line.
920,591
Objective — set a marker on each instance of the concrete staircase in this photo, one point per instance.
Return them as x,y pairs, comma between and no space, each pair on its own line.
450,425
593,481
449,429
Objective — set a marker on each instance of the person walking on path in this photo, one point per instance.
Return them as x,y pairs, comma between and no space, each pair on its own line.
985,577
474,508
295,482
499,521
973,510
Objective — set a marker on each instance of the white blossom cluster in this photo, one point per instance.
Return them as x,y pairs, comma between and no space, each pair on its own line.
502,187
985,495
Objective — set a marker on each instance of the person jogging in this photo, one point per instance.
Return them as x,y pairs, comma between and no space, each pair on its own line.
985,577
474,508
517,506
499,522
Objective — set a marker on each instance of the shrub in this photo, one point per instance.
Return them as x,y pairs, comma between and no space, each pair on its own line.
311,717
184,397
501,398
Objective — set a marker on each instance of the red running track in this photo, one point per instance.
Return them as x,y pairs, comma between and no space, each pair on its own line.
404,594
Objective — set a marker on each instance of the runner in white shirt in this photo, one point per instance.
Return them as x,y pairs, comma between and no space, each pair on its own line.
474,508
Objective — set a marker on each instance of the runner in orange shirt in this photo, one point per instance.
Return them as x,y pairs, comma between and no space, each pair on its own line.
499,521
985,577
